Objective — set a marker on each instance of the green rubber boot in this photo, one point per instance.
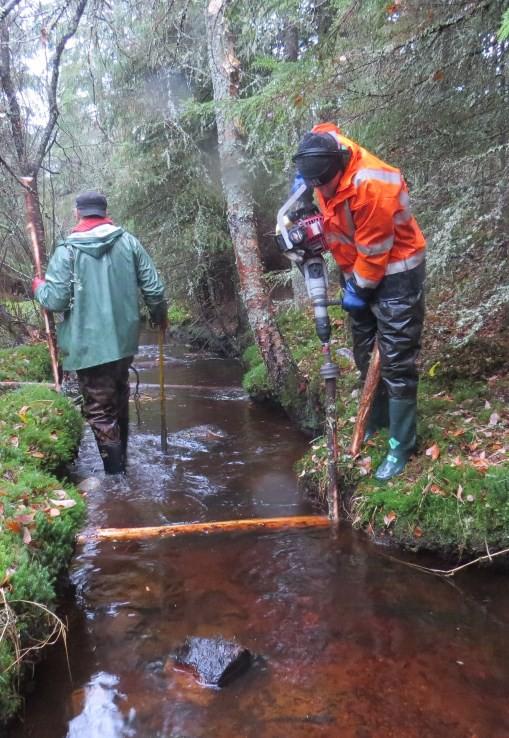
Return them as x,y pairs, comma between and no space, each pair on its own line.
379,415
402,441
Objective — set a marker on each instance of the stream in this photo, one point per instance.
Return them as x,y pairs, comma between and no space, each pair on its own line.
348,641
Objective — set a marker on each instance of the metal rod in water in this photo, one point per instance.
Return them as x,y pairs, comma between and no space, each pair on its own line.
330,372
162,396
332,448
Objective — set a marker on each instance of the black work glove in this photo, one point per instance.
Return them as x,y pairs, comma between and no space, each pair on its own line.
159,315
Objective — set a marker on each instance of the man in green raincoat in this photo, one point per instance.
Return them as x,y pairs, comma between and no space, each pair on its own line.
94,277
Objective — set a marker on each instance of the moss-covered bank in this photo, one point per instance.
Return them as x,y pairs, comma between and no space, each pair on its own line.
39,516
454,494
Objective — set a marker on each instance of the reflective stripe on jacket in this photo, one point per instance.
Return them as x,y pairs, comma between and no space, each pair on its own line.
368,223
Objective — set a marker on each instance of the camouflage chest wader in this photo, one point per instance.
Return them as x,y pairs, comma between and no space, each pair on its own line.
105,390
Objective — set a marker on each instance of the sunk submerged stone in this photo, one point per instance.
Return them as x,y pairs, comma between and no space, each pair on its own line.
215,661
90,484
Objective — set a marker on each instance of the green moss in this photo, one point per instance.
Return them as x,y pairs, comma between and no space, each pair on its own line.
39,515
39,426
10,699
25,364
251,356
257,384
178,314
453,507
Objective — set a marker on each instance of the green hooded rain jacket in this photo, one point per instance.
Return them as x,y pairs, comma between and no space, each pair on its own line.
93,278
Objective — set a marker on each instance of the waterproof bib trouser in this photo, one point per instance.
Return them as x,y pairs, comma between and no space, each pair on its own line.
377,243
395,318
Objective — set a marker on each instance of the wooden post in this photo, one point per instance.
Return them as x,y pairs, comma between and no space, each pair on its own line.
366,400
30,206
216,526
162,396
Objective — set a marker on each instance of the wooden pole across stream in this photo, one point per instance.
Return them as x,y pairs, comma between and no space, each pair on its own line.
216,526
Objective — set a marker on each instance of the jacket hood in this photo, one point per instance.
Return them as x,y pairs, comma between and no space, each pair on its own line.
96,241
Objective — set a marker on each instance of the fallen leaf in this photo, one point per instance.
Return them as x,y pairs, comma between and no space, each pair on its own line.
61,494
27,538
390,518
364,465
26,519
63,503
23,413
433,370
37,454
13,526
494,418
487,405
54,513
14,441
433,451
53,436
436,490
9,572
417,532
481,465
457,432
459,493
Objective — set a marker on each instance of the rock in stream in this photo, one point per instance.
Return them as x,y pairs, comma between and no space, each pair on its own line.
215,661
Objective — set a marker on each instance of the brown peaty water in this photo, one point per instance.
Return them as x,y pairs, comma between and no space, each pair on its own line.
349,643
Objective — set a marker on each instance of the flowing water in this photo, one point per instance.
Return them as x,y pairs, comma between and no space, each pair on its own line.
349,643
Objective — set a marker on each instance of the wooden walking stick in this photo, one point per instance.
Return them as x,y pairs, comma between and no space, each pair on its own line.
162,396
30,205
366,400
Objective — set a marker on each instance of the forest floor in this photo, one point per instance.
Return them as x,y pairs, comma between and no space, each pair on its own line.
453,496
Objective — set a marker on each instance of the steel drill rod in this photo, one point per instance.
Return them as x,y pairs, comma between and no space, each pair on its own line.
332,449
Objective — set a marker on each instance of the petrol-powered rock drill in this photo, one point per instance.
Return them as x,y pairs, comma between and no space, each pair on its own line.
300,237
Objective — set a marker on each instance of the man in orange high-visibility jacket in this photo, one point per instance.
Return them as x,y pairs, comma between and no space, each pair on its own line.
380,249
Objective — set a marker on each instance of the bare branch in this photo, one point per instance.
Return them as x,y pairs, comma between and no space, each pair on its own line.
52,92
6,9
10,93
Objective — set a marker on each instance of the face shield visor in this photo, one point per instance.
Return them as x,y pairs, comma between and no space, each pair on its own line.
317,167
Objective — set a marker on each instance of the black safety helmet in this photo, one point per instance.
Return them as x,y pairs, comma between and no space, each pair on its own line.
319,158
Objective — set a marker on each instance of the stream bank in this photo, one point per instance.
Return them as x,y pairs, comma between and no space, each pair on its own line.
348,641
453,497
39,516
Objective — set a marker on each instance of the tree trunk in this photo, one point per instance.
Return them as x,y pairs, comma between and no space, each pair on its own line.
225,72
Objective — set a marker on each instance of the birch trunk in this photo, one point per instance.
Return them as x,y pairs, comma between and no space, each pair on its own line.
225,72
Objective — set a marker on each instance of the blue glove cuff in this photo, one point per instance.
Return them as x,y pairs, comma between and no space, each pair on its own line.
351,299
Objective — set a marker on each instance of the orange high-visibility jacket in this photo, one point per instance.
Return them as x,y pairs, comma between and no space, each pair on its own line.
368,223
